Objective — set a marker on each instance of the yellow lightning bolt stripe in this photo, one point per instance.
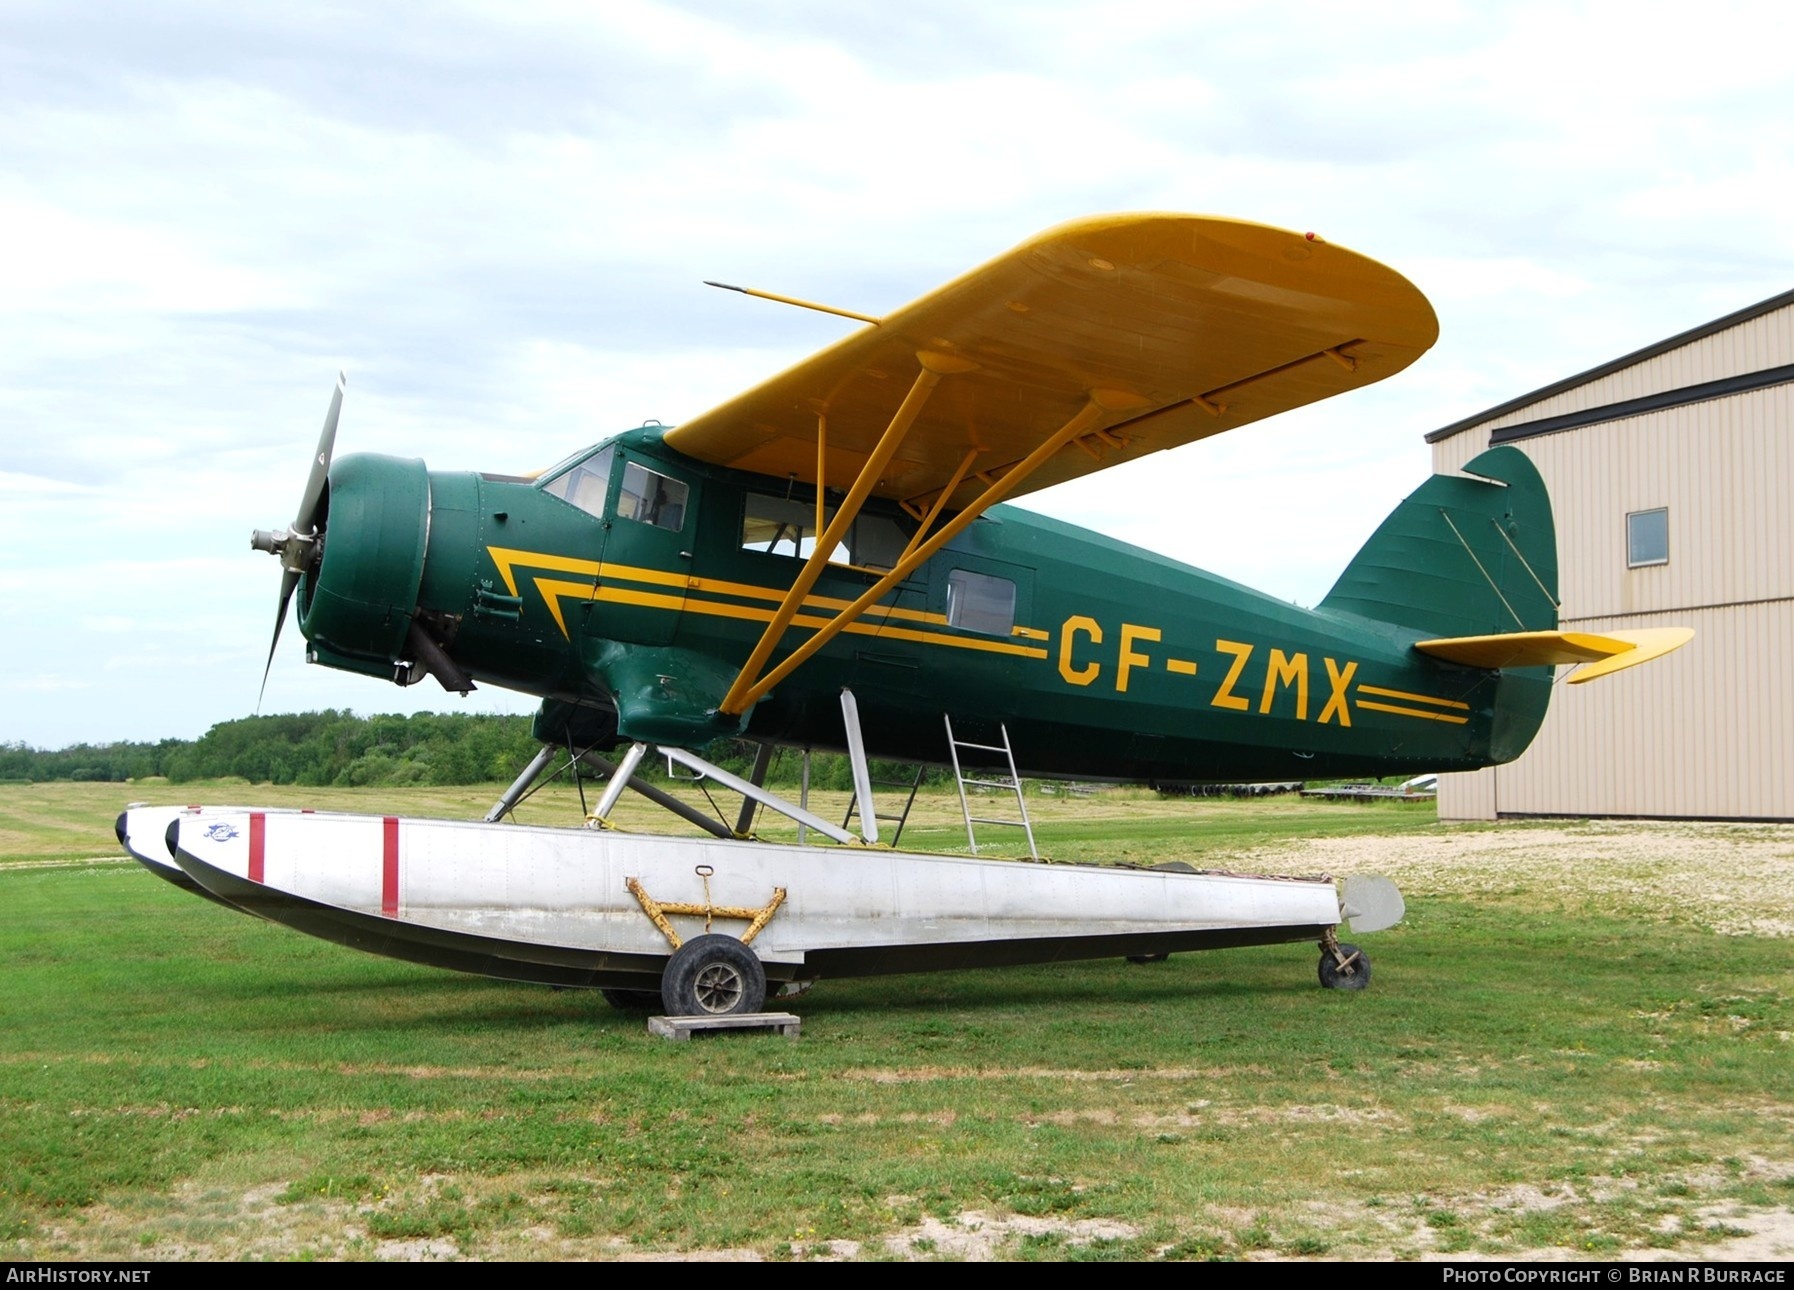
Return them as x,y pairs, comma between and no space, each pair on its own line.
1411,698
553,590
827,602
885,631
506,557
749,591
1364,704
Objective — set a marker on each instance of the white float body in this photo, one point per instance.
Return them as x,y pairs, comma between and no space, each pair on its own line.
554,905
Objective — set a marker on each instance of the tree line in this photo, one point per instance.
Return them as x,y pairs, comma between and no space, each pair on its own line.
309,748
345,750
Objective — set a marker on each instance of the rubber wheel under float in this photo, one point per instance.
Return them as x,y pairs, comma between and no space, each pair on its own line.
713,976
631,1000
1355,975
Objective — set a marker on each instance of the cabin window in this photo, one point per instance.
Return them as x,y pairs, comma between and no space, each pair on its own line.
1647,538
652,498
787,526
778,526
584,484
877,542
977,602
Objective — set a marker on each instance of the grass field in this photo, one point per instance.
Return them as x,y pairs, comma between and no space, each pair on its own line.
1578,1043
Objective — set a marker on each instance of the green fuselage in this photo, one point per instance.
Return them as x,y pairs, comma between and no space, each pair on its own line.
1103,660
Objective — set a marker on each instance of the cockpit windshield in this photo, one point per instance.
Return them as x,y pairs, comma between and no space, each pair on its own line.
584,482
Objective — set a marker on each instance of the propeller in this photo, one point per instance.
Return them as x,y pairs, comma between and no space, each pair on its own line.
298,545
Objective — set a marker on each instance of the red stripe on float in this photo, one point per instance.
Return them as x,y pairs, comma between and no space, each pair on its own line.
389,868
258,844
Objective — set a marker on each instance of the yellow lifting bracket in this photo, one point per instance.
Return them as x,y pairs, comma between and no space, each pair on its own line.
657,910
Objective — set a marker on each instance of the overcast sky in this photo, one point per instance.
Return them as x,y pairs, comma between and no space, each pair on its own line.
496,218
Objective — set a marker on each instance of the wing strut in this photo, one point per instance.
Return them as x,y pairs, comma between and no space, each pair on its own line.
934,367
933,513
747,690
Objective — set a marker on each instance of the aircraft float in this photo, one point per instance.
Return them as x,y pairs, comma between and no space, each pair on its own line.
827,561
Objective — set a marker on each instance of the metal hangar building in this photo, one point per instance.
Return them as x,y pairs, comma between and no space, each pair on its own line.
1671,472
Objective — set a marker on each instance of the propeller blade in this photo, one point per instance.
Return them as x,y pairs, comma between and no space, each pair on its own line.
288,581
297,547
306,520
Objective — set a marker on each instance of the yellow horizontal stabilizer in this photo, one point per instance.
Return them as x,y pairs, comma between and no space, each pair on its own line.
1603,652
1179,327
1646,644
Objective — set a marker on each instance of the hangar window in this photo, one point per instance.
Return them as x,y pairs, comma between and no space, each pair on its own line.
1647,538
652,498
977,602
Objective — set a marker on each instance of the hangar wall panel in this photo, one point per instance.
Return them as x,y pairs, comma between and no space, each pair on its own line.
1467,796
1449,455
1707,732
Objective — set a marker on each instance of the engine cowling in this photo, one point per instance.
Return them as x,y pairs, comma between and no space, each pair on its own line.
356,603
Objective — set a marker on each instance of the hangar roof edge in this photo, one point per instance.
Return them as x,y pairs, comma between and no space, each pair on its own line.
1613,365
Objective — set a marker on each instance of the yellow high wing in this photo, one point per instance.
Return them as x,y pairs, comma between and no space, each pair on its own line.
1095,343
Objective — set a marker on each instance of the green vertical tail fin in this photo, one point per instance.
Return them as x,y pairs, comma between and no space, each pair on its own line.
1461,557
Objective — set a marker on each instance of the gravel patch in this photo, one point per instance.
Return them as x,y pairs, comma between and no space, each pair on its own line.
1734,879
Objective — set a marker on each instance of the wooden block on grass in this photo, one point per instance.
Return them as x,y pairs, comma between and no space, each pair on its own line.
683,1028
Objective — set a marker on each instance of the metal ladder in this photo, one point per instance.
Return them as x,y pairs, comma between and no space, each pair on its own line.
1012,784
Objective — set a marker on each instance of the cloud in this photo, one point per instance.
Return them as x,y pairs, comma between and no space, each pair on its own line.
46,684
497,221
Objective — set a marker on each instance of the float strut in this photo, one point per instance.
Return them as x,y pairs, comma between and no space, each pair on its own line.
862,775
613,790
762,761
520,785
661,798
691,761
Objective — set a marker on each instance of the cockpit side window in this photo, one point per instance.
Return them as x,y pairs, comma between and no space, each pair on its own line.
585,483
652,498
